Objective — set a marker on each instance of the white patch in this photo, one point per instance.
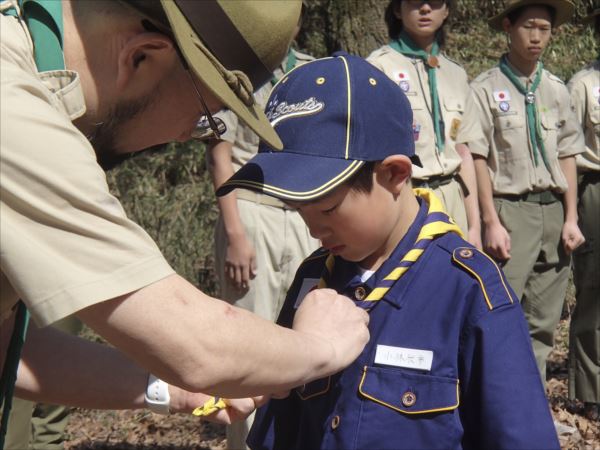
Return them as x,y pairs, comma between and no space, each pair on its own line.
308,284
278,111
410,358
400,75
502,96
596,91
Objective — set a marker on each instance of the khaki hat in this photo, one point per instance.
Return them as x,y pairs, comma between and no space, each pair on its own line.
564,11
232,46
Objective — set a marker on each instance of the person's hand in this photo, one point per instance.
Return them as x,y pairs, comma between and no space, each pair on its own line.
240,261
474,237
496,242
237,409
338,324
572,237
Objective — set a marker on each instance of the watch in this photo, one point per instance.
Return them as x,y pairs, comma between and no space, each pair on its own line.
157,396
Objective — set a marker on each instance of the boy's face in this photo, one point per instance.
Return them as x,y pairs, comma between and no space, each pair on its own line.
358,226
530,33
421,19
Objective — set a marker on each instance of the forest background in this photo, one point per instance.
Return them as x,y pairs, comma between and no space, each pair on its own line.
167,190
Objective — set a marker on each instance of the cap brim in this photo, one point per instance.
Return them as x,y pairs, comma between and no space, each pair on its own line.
564,12
291,176
210,76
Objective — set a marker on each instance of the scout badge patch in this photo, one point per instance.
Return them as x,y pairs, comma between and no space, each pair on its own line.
401,77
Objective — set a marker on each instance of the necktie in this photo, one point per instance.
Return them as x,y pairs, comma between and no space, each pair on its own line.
405,45
533,124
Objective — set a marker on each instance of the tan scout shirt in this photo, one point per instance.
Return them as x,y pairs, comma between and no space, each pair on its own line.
453,86
245,141
500,109
585,99
65,241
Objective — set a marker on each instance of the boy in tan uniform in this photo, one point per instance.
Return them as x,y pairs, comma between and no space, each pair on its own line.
437,88
525,165
259,241
584,339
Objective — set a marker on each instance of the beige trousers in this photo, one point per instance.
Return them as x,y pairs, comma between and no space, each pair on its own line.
538,269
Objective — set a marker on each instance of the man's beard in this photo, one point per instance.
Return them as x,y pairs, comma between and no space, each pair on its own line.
103,138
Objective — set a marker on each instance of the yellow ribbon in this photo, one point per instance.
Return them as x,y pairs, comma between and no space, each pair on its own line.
212,405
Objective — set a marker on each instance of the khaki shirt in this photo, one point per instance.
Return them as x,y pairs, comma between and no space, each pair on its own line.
245,141
453,86
65,241
503,136
585,99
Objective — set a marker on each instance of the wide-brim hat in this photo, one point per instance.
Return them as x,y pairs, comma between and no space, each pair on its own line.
220,38
333,115
564,11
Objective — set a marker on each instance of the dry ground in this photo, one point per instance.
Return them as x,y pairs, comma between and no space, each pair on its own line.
140,430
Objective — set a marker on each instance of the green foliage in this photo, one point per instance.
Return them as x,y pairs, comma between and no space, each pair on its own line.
169,193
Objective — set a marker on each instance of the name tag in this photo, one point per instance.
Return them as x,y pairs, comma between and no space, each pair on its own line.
410,358
308,284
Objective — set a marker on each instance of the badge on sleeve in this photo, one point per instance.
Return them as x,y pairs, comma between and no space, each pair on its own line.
308,284
501,96
454,126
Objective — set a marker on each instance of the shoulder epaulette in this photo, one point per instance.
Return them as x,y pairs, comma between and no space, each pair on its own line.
484,76
487,273
554,77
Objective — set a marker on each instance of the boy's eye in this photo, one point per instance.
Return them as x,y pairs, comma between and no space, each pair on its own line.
329,210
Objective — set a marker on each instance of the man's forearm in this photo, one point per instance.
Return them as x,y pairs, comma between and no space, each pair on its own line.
467,173
569,169
206,345
58,368
485,191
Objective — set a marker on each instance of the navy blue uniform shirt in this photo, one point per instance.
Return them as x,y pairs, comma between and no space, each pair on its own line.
449,364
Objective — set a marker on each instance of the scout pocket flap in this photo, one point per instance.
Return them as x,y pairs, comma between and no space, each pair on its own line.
409,393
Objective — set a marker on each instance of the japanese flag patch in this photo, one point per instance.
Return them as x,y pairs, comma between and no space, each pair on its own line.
400,75
501,96
596,92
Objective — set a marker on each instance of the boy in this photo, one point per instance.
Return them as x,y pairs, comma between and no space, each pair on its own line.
449,363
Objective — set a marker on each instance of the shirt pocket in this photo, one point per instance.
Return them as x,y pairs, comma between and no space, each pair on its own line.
510,132
402,406
453,109
409,393
549,127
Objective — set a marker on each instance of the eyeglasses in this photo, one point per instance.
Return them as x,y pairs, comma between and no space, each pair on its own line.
208,127
433,3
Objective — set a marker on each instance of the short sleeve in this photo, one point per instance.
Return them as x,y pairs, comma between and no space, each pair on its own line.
570,140
477,125
66,242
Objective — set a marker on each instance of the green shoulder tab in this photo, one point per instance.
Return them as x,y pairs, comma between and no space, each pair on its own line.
483,268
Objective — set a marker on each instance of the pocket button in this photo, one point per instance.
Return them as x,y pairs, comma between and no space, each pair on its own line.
409,398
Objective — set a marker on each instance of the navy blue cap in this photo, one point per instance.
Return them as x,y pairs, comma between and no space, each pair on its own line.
332,115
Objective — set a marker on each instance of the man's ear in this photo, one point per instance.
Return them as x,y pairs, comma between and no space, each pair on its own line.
145,58
506,25
395,171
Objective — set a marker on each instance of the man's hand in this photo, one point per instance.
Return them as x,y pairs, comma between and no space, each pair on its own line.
572,237
496,241
337,323
240,261
237,409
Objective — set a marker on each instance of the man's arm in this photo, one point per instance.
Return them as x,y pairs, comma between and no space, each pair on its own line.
203,344
467,173
496,240
240,259
571,234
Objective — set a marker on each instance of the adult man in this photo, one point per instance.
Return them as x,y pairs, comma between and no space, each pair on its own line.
136,77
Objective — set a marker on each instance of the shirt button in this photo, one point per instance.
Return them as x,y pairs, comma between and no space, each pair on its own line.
409,398
360,293
335,422
466,253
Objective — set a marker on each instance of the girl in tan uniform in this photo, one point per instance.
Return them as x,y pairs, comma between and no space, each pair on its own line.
525,165
437,89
